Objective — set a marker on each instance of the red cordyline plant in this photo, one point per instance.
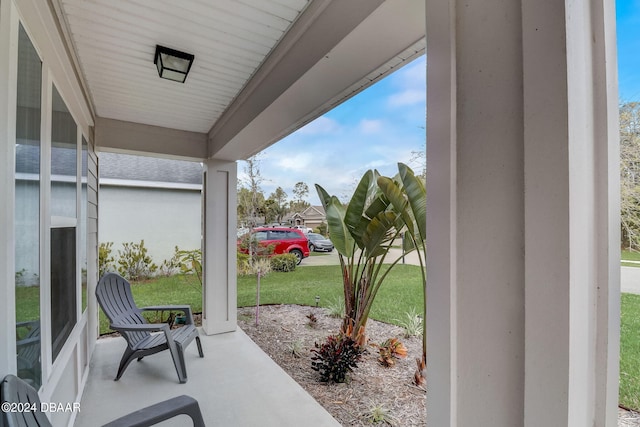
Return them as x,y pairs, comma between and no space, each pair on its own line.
336,357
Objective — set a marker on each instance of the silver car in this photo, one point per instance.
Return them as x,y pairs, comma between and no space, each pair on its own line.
319,243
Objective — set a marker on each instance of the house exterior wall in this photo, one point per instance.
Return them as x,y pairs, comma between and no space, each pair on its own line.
164,218
63,374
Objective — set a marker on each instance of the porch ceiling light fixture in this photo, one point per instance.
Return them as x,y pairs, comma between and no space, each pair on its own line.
172,64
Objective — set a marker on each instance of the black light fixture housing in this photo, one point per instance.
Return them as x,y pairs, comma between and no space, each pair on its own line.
172,64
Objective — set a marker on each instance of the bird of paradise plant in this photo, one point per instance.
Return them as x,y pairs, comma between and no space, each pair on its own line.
362,233
408,195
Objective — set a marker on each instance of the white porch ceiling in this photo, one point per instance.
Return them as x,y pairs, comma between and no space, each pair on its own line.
262,69
114,43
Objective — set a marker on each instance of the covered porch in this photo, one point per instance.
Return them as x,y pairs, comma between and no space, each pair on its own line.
236,384
522,177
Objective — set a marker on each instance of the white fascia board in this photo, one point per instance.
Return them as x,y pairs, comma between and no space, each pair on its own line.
114,182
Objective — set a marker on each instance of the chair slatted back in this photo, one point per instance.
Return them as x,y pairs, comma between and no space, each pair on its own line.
15,390
115,297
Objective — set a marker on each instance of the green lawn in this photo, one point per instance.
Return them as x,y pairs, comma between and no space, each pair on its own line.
401,291
630,256
630,351
399,294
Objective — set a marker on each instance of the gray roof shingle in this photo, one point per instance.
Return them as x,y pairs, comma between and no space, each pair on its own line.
139,168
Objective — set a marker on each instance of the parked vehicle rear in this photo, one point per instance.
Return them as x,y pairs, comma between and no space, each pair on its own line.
284,241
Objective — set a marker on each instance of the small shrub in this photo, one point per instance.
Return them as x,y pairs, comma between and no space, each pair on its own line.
284,262
169,267
336,358
190,262
335,308
321,229
252,246
379,414
243,264
20,277
411,323
295,347
261,266
313,320
390,350
134,263
105,260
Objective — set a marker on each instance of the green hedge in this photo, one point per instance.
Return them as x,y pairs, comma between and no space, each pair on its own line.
284,263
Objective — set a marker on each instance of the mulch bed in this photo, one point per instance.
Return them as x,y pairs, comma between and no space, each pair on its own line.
372,389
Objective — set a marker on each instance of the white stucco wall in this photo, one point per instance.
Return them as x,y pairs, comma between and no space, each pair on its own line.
162,217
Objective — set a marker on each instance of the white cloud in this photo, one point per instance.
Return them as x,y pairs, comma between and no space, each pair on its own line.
411,82
297,162
415,73
321,125
370,126
407,97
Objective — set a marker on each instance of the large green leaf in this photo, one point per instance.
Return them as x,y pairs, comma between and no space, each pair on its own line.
338,231
325,198
395,194
417,195
379,204
354,217
378,235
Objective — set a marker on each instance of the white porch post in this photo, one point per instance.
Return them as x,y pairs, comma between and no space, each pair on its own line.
220,289
523,223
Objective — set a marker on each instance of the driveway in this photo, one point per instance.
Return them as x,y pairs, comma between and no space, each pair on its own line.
331,258
630,280
629,276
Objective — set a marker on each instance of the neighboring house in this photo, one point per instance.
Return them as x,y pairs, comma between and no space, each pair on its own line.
151,199
311,217
523,307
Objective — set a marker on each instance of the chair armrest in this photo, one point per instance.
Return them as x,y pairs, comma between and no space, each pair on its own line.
27,341
186,309
27,323
162,411
148,327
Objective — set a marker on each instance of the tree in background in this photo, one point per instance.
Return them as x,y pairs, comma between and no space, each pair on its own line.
279,198
268,212
251,202
247,217
630,175
419,160
300,193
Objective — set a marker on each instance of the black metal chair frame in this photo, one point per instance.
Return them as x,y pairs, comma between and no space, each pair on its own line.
116,300
15,391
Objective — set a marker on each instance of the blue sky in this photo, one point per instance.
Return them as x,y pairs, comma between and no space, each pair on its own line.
375,129
628,32
384,124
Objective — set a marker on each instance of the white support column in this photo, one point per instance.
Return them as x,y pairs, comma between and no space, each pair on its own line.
8,87
219,255
523,285
572,207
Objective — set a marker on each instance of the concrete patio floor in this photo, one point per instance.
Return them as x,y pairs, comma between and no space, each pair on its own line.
236,384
